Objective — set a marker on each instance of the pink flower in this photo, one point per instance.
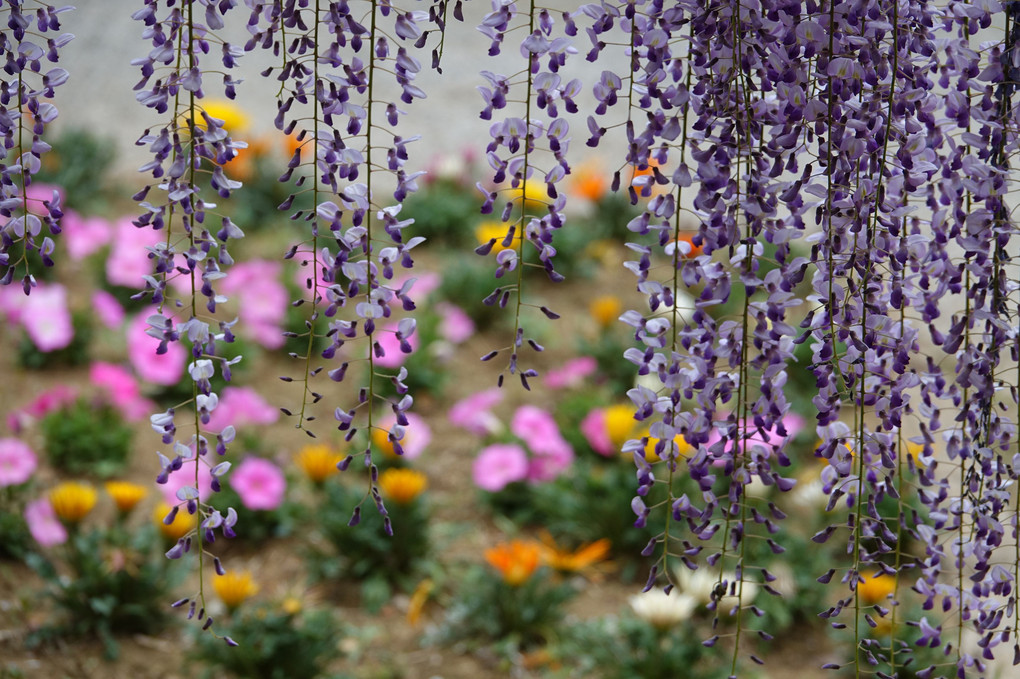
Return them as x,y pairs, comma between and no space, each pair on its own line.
108,309
241,406
129,259
417,434
474,413
262,300
455,326
164,369
572,373
185,476
46,318
424,283
498,465
594,429
17,462
549,460
533,425
43,405
43,523
387,339
84,235
260,483
121,389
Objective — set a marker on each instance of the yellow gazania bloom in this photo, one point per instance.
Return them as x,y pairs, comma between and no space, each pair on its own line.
488,230
318,462
181,526
589,181
72,501
126,495
234,119
516,560
291,605
402,485
605,310
876,587
235,588
620,424
565,561
534,194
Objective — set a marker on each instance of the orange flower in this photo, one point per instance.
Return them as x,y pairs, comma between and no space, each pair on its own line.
402,485
318,462
181,525
876,587
605,310
589,181
566,561
125,495
515,560
688,238
418,600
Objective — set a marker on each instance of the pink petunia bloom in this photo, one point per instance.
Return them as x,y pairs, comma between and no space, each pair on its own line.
549,460
163,369
474,412
533,425
129,260
17,462
108,310
44,404
498,465
455,326
43,523
393,357
185,476
122,390
46,317
417,434
572,373
259,483
425,282
84,235
594,429
262,300
241,406
12,303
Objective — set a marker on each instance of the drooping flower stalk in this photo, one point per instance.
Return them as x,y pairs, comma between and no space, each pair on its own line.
24,115
191,146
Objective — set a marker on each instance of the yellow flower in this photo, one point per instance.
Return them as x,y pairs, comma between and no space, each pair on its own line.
234,588
402,485
291,605
318,462
620,424
72,501
605,310
876,587
126,495
565,561
418,600
181,526
534,194
682,448
234,119
486,231
516,560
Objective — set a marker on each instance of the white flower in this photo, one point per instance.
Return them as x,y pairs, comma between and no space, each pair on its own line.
701,583
663,610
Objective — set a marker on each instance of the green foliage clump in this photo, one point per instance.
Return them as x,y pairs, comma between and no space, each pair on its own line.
87,438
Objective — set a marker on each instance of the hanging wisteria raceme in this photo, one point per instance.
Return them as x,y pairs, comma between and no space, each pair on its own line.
30,47
535,144
335,57
189,150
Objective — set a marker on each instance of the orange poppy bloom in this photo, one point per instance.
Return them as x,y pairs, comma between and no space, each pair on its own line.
516,560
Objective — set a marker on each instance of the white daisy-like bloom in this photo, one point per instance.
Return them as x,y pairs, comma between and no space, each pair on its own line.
809,495
661,610
701,583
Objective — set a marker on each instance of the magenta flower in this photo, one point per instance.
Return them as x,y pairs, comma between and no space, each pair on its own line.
17,462
474,412
185,476
129,260
122,390
594,429
241,406
498,465
163,369
387,339
46,318
455,326
108,310
43,523
84,235
572,373
259,483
